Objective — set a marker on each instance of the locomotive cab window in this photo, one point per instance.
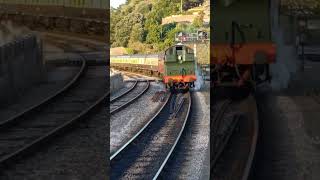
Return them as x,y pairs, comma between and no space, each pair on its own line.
179,48
189,55
180,53
170,55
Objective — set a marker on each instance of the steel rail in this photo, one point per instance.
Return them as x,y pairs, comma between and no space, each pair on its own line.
10,121
253,147
141,130
126,92
168,153
117,109
59,129
176,141
61,40
216,123
53,133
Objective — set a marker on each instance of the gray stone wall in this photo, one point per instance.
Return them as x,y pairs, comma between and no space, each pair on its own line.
202,51
116,82
20,66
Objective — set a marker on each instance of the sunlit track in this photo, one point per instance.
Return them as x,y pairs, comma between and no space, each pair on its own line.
191,157
145,155
126,92
122,101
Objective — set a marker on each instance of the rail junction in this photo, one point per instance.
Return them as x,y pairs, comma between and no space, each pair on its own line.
53,84
147,134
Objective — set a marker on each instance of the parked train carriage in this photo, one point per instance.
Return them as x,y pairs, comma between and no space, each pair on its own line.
179,67
148,64
242,48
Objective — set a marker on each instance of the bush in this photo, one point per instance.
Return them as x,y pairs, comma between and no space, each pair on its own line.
130,51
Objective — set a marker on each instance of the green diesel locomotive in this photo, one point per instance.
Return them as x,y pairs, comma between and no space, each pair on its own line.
179,67
176,66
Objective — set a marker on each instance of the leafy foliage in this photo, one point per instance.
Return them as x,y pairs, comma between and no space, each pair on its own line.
136,25
198,21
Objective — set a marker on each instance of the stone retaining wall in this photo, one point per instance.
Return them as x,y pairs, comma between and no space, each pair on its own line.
202,51
116,82
20,67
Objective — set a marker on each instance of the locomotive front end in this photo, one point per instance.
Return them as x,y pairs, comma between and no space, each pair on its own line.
242,46
179,67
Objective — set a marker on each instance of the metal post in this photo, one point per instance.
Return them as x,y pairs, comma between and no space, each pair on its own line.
302,51
303,27
195,49
304,39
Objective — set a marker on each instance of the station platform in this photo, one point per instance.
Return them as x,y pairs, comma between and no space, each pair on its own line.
289,145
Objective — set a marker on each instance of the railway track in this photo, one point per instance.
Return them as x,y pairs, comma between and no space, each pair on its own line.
147,152
191,157
27,131
234,134
14,119
222,128
129,96
95,47
95,54
117,96
77,154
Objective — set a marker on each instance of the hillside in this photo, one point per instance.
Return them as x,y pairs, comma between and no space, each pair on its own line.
190,15
137,25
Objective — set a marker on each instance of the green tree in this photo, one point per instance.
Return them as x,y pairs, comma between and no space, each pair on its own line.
137,33
166,29
198,21
130,51
143,8
154,34
137,24
122,29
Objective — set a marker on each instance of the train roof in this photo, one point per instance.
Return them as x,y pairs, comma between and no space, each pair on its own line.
179,44
149,55
137,56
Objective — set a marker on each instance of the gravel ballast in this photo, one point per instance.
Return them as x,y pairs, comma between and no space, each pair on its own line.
80,154
124,124
190,158
126,86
